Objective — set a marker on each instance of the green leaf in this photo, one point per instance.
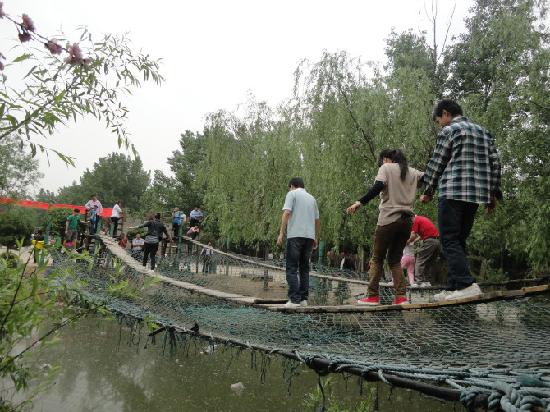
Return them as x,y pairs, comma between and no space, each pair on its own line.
23,57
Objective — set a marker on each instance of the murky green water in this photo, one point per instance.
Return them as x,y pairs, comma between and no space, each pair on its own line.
104,367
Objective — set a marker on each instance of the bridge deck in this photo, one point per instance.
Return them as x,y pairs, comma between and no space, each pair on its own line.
278,306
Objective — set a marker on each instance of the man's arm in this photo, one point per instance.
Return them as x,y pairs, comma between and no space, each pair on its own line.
437,163
66,225
284,222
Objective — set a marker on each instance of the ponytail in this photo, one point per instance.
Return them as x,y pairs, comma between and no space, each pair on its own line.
399,157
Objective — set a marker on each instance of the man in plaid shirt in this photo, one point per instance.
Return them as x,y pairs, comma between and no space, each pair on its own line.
465,167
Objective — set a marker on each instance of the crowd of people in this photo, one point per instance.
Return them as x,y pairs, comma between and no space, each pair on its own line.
464,168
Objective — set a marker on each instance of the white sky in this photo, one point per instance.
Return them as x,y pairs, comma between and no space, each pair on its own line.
215,52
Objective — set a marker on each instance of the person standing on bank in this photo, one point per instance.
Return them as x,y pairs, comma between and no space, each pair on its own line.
116,215
427,253
396,183
465,168
301,222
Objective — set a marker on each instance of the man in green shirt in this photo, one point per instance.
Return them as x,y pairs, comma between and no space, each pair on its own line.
71,227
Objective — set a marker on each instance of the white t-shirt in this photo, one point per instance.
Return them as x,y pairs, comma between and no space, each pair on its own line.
137,243
304,212
117,211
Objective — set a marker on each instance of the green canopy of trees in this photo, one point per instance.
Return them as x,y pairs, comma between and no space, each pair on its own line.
112,178
343,112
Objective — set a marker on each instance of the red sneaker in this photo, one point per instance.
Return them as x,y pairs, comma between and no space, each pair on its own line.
371,300
400,300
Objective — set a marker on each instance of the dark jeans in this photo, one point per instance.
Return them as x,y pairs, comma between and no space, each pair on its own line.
426,256
114,220
389,241
456,219
298,253
150,249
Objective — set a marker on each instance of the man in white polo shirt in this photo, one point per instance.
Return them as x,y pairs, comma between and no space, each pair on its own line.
301,222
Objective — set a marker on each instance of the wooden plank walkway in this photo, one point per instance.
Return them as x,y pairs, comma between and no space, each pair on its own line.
121,254
483,298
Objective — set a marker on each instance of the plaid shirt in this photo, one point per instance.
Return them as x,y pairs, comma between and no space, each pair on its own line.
465,164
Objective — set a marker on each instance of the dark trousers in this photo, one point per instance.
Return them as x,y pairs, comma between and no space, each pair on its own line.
298,253
150,249
389,242
425,258
114,221
455,219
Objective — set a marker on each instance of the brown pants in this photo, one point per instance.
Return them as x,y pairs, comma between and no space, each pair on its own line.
389,241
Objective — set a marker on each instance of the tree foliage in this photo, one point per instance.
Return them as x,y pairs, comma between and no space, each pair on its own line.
18,170
66,83
343,112
112,178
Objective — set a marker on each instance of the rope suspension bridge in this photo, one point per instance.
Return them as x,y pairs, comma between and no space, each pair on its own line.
490,352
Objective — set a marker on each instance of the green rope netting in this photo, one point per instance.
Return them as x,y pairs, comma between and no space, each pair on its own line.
499,349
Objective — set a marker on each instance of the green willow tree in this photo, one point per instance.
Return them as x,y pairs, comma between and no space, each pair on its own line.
509,91
343,112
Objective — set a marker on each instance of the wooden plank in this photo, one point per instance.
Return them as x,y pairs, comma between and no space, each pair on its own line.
484,298
191,287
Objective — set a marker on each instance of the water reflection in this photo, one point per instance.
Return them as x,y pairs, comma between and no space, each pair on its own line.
106,367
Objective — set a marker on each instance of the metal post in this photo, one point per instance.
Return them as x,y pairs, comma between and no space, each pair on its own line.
266,279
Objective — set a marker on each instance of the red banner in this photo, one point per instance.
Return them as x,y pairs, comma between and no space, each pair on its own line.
46,206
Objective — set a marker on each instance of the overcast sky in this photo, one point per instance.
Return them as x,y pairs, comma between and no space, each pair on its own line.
214,54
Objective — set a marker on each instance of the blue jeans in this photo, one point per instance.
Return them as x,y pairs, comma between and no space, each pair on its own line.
298,253
455,219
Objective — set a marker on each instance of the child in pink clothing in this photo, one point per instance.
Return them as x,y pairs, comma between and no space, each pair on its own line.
407,262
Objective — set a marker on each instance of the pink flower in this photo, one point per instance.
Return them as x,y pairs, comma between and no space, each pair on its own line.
24,36
2,14
74,51
53,47
75,55
27,23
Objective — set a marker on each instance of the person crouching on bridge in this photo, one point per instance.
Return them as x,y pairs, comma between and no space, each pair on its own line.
396,183
301,222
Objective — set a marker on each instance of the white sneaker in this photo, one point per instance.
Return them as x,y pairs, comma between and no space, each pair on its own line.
413,285
471,291
289,304
303,303
425,285
438,297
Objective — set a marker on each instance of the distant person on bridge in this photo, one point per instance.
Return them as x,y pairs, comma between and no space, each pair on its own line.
465,168
301,223
116,215
396,183
178,220
195,217
428,251
93,209
155,229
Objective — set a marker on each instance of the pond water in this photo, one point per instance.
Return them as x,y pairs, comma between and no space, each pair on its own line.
107,367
